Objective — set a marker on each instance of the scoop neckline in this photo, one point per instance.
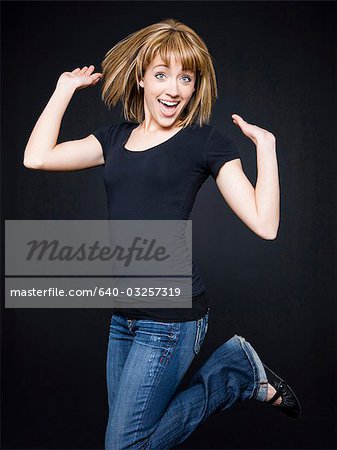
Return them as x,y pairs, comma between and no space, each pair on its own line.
128,151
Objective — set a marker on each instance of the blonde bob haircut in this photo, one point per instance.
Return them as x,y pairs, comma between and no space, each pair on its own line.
124,66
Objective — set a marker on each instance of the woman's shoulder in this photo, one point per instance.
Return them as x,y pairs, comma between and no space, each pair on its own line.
197,127
200,133
211,134
119,124
115,127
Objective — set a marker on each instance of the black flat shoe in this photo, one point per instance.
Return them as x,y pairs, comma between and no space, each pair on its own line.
290,404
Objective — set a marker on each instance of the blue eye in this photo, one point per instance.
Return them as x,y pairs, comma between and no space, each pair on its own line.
161,76
188,78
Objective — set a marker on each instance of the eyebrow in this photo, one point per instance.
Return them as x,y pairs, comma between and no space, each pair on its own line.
160,65
165,65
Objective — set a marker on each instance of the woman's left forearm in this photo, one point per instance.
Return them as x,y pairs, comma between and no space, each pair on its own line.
267,189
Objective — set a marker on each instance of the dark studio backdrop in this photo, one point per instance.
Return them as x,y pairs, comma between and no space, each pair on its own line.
275,67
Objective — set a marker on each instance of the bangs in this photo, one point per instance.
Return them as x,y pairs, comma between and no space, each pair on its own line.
190,56
125,64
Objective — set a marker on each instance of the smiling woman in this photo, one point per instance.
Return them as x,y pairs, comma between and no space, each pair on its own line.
177,57
166,92
155,162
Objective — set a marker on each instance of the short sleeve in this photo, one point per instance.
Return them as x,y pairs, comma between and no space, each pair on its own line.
219,150
104,136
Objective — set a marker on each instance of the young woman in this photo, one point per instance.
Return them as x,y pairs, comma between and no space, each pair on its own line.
154,164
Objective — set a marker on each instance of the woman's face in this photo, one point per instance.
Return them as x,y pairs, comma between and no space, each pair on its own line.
167,90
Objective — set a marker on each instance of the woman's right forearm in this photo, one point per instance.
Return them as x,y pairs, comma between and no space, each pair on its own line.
45,133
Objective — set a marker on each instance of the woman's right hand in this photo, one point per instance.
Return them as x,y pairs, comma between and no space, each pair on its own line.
79,78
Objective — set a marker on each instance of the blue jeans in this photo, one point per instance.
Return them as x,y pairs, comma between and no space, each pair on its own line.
146,362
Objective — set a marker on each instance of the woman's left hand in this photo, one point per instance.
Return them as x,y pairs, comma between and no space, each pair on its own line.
253,132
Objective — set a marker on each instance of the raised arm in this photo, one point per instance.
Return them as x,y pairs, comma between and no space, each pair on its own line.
257,207
42,151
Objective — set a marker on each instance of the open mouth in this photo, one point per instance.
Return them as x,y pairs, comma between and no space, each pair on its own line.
168,107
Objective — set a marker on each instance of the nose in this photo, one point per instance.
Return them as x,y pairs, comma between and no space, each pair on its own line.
172,88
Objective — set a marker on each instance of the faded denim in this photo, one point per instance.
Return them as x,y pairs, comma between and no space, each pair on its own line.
146,361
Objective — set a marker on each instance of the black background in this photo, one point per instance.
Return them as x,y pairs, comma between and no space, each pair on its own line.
275,63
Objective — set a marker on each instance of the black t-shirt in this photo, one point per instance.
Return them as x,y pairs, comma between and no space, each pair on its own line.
161,183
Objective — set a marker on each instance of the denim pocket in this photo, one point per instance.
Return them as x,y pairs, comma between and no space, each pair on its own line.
160,338
201,330
156,334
